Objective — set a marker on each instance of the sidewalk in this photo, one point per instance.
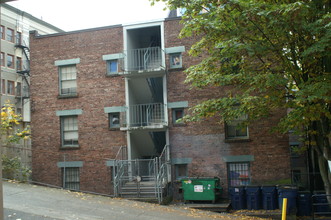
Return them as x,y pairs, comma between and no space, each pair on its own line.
49,203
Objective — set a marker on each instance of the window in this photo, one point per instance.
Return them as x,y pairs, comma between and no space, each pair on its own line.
3,86
18,38
70,178
10,61
239,174
114,120
112,67
235,129
19,111
177,114
18,89
175,60
68,84
18,63
2,28
69,131
2,59
10,35
10,87
181,171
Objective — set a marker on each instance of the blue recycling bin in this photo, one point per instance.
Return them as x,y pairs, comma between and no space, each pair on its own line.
291,194
238,200
304,203
269,197
253,197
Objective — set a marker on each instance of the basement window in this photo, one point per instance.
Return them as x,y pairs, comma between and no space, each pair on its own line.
181,171
239,174
70,178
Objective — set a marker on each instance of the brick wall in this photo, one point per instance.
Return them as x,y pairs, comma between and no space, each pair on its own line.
95,91
203,141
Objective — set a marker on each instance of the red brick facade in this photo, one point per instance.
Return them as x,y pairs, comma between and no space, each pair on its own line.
204,142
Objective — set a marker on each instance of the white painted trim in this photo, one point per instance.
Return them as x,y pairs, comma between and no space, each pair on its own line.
165,98
142,25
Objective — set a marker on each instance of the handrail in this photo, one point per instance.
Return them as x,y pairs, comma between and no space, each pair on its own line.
157,170
120,151
159,181
150,114
143,59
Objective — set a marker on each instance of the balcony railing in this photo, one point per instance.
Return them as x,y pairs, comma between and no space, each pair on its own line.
143,59
145,115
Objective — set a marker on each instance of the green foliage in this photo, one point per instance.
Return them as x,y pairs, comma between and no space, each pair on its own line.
273,55
12,168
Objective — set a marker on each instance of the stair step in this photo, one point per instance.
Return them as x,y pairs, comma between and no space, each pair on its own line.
141,195
135,193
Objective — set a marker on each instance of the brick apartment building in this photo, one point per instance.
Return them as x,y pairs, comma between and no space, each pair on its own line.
105,104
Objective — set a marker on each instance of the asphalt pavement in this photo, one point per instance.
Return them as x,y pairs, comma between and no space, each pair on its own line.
31,202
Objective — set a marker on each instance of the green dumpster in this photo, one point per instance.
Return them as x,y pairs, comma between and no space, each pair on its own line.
201,189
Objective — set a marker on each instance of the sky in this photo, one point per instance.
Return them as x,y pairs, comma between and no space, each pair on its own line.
72,15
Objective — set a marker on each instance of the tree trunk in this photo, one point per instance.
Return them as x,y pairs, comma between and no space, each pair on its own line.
325,174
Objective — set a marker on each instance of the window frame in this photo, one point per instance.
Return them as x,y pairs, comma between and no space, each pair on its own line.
10,37
2,30
174,115
72,90
2,58
178,167
3,83
248,179
18,89
12,66
63,131
11,87
19,63
172,58
111,117
108,63
237,125
76,173
18,38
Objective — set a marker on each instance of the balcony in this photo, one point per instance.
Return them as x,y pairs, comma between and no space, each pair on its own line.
145,115
143,60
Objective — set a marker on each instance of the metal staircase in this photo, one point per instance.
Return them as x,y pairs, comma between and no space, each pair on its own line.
25,71
142,178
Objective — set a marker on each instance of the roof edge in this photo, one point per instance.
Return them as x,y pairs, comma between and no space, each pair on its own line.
35,33
26,14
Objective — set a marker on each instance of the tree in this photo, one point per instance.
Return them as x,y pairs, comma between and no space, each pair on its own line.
274,54
9,134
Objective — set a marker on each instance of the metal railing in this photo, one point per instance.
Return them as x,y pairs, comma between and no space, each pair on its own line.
162,172
145,115
134,171
122,153
143,59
